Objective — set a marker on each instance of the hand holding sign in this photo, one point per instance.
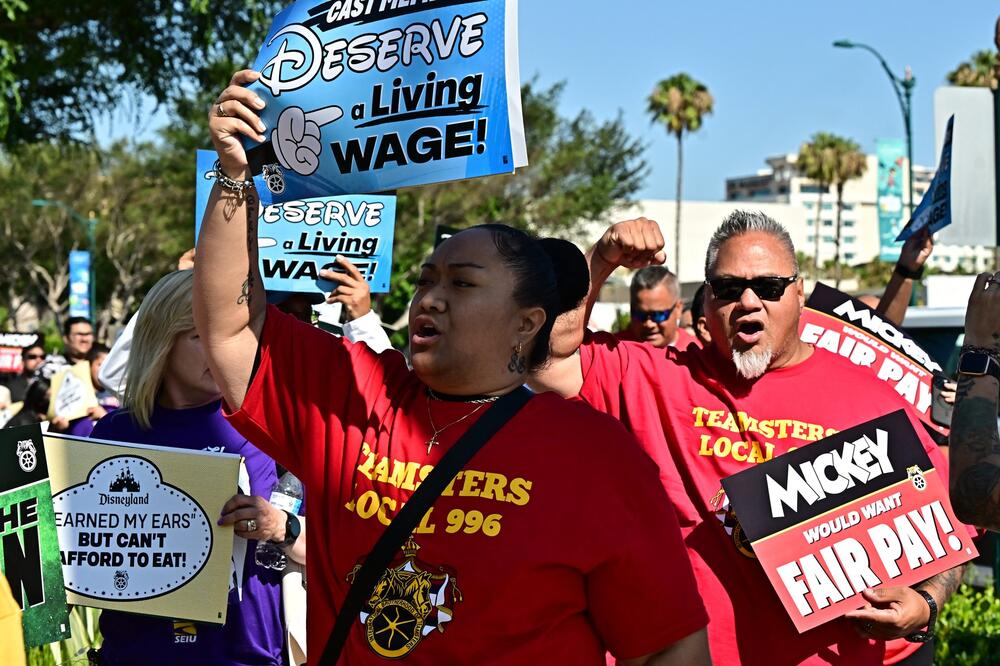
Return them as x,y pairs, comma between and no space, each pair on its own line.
982,319
235,113
352,290
891,612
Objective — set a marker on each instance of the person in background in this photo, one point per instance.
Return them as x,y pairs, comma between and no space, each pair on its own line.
171,399
684,404
36,405
655,306
698,320
975,442
78,338
11,633
107,401
32,358
5,406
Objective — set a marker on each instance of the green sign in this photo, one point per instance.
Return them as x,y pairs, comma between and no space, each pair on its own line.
29,549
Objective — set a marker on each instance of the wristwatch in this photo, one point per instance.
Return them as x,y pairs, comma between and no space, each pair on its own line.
927,634
909,274
292,530
978,364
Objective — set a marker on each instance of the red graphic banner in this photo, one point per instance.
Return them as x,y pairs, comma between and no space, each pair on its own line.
861,509
834,321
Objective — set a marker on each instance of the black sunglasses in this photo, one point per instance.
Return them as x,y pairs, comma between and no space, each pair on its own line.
658,316
766,288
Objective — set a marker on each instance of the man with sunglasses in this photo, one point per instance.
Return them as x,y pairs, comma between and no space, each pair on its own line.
655,306
32,358
755,392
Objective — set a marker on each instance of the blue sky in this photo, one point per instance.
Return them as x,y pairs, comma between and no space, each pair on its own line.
770,65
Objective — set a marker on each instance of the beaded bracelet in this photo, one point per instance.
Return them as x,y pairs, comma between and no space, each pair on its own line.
238,186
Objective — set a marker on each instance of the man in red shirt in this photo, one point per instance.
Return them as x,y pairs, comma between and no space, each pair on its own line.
755,392
655,305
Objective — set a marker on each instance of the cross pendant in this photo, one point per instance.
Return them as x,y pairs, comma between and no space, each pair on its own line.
431,442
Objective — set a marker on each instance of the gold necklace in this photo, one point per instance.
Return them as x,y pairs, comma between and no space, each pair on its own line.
437,431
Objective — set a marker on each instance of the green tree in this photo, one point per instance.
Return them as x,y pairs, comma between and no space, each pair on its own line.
64,63
680,103
817,161
831,160
851,163
979,71
578,170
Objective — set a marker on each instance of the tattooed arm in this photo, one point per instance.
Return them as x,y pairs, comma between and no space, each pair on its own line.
975,443
229,302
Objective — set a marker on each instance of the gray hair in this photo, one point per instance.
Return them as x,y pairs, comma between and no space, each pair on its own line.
651,277
741,222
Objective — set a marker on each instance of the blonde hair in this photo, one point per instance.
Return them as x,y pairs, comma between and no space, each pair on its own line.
164,314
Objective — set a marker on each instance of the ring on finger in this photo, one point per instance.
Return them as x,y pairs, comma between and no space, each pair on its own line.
867,627
220,110
251,525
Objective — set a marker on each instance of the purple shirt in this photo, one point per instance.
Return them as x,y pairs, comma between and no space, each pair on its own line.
253,633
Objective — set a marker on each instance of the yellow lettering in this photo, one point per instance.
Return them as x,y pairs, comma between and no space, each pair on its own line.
471,488
738,447
770,451
518,494
368,504
714,419
815,432
494,486
782,427
722,446
366,467
382,515
756,455
704,450
449,489
766,428
799,430
730,423
425,526
381,472
699,412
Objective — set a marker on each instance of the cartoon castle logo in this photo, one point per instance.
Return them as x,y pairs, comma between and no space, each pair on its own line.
124,483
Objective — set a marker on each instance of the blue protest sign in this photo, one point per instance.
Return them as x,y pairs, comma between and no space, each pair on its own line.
298,238
79,283
934,211
374,95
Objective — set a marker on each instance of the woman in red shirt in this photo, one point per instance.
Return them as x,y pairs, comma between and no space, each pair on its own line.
553,545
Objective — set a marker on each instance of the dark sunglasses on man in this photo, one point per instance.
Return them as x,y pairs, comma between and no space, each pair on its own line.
33,357
767,288
657,316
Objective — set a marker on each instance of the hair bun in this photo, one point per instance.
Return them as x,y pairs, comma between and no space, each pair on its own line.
571,271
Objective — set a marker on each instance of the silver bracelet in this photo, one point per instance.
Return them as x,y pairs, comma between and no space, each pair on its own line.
238,186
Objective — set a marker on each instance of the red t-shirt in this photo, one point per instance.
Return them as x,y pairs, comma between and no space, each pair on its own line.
700,423
554,543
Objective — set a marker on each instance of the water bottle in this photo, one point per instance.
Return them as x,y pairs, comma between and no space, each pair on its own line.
287,496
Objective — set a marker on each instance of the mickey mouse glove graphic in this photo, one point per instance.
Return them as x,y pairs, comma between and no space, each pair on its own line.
295,145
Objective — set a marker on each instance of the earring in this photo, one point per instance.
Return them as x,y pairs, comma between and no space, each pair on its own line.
517,361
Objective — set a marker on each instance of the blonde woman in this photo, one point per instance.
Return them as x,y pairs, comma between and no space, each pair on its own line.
171,399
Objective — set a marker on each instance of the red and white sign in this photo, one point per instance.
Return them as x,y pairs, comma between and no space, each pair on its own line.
861,509
834,321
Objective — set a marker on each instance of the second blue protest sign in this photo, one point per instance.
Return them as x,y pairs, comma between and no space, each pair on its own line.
373,95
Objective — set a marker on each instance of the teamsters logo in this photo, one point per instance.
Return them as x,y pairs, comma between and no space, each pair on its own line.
408,603
27,457
731,524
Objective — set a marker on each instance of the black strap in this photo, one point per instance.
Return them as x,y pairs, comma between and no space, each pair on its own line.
413,512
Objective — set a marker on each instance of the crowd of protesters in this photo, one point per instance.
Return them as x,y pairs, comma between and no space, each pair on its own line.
592,524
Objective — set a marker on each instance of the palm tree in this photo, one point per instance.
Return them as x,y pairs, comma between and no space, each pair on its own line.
980,70
851,164
680,103
816,161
